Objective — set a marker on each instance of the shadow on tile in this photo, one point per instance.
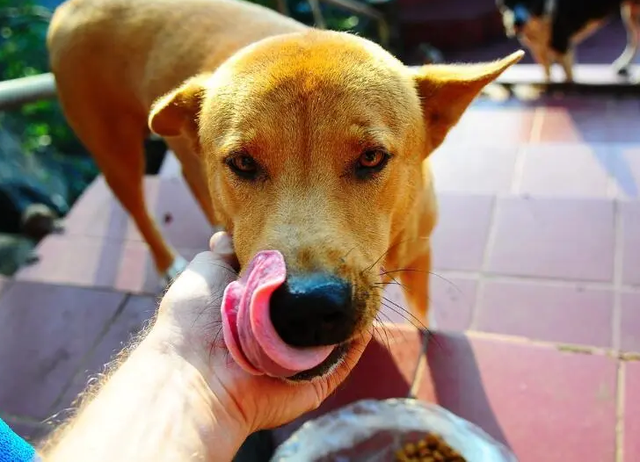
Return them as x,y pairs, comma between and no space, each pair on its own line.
626,172
458,385
384,371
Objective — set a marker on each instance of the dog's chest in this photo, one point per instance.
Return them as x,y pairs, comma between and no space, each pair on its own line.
536,33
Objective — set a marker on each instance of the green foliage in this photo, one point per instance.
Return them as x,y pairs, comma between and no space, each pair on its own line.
23,52
336,18
56,154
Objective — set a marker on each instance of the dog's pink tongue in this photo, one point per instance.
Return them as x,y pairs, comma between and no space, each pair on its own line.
248,332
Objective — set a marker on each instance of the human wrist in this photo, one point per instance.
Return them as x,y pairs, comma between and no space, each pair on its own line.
226,426
172,344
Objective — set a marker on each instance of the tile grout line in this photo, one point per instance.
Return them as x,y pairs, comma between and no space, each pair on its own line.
565,197
612,192
421,366
618,255
89,353
518,170
521,157
462,274
616,327
84,286
481,275
536,125
572,348
566,347
620,399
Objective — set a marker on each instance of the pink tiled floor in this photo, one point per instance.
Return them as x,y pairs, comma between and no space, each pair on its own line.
535,291
631,412
522,394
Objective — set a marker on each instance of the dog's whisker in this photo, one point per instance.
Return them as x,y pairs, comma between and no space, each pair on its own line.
396,281
402,270
386,330
382,285
390,248
388,318
413,320
227,268
401,309
344,257
431,273
377,334
451,284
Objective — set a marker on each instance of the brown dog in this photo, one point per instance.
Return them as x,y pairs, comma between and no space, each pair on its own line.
308,142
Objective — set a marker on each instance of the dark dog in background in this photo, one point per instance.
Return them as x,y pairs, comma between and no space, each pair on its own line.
551,29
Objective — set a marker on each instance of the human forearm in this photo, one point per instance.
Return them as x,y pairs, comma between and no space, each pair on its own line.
155,407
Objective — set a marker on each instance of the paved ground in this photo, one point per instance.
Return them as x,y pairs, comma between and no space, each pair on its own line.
536,287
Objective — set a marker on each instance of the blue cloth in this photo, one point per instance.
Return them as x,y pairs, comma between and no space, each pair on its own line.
13,448
520,15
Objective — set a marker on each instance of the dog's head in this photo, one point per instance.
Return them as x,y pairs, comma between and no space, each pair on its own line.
313,144
518,15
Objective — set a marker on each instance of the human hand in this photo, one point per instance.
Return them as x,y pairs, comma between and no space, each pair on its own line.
190,322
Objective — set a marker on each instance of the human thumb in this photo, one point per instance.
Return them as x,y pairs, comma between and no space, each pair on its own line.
222,247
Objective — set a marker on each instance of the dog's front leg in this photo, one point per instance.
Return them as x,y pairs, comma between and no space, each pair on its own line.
415,281
543,58
566,61
630,13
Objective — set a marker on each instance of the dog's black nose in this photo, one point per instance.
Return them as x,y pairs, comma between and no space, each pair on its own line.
313,310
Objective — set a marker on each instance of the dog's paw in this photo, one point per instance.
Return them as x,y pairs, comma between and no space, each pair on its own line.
621,67
177,267
58,227
528,92
622,71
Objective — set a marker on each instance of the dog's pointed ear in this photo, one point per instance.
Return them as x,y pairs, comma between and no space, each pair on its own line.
176,113
446,91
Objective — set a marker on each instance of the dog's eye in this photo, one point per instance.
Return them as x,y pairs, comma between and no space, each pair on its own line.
243,165
371,162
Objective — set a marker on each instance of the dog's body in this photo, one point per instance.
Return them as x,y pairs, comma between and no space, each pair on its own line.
113,58
551,29
308,142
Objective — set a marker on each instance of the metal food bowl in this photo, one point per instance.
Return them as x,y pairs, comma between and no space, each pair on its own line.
373,431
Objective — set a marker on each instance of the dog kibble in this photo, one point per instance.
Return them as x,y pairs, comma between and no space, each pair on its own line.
431,448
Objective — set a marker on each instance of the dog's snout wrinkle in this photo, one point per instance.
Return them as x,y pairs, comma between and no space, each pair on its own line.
313,310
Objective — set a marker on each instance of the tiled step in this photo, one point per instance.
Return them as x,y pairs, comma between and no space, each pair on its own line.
539,225
595,77
53,338
524,266
101,247
536,256
518,391
544,402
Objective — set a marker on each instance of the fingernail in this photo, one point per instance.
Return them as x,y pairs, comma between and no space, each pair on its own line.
221,244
